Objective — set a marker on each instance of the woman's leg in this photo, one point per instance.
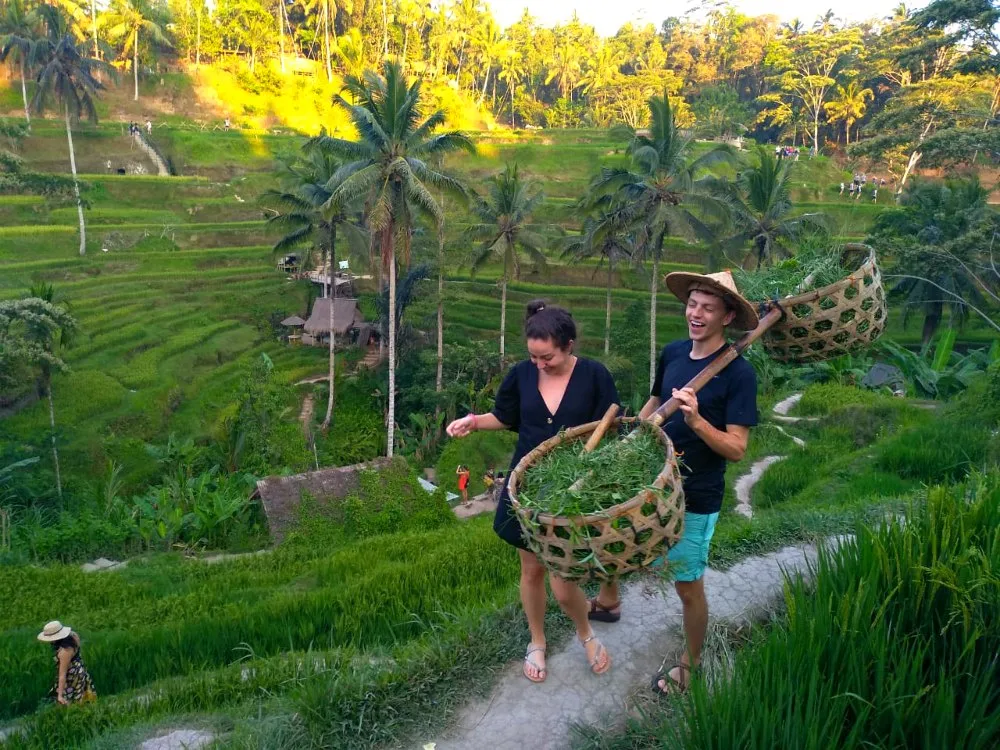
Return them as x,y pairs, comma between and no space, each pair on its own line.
573,602
533,598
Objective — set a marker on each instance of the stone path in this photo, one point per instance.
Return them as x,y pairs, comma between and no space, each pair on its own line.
784,406
306,414
746,482
180,739
485,503
520,715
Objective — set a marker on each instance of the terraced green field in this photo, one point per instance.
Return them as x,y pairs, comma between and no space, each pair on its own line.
174,293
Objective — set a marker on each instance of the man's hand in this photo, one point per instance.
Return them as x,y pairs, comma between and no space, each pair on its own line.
462,427
688,401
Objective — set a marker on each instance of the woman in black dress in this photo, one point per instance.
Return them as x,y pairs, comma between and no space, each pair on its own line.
551,391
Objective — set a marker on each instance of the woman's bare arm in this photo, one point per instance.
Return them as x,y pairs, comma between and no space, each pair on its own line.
65,657
472,422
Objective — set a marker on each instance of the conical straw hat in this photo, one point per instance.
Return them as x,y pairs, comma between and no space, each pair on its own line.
721,284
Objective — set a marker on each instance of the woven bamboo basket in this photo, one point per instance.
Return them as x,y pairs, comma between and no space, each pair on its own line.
605,546
838,319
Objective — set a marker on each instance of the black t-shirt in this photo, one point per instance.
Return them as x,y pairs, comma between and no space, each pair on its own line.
520,406
728,398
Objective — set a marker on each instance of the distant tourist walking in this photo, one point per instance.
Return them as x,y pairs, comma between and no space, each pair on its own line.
875,195
463,482
149,127
841,188
73,682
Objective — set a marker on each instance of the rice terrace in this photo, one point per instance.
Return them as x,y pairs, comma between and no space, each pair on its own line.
444,375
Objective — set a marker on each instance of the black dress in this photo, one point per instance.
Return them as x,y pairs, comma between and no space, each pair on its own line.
520,406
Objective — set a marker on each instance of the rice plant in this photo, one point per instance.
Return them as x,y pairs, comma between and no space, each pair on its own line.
894,645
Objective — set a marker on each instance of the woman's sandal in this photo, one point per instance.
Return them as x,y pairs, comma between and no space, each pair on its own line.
601,652
671,686
542,671
602,613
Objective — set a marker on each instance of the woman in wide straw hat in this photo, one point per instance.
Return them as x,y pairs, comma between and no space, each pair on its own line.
73,681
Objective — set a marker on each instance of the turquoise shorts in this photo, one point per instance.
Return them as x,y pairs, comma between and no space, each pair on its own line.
689,557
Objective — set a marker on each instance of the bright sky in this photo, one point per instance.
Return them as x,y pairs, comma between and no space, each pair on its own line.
607,16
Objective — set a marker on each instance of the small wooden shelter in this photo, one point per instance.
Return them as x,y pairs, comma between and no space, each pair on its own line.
347,319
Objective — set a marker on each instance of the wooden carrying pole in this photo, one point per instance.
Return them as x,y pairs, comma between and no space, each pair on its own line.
734,350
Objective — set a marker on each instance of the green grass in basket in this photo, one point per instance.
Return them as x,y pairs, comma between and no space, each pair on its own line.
614,472
787,276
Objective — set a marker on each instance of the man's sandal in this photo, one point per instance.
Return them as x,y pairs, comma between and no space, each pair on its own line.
671,686
601,652
603,613
542,671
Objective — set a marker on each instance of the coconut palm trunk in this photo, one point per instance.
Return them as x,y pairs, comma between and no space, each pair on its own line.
439,380
391,433
503,303
333,334
24,94
652,316
135,62
93,20
76,183
52,425
326,38
385,31
607,310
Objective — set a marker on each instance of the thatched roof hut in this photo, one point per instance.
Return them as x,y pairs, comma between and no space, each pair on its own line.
346,316
281,496
293,321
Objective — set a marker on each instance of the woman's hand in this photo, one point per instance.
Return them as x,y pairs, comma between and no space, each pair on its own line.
61,700
462,427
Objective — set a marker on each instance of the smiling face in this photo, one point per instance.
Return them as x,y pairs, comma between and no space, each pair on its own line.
707,316
548,357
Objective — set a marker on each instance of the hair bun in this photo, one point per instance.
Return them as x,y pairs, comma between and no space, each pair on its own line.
534,307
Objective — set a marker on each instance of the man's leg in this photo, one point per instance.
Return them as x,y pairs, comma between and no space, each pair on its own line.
695,614
689,558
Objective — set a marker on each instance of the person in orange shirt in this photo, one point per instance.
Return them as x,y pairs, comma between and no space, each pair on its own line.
463,482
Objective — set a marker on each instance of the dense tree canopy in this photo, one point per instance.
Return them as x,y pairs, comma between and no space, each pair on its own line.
913,87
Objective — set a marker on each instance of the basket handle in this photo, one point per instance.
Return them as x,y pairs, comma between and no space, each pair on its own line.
606,421
698,382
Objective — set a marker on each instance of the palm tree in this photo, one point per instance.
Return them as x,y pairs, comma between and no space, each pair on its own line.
607,236
848,107
18,31
304,209
827,23
760,203
387,169
504,215
658,194
938,233
565,68
128,19
488,43
350,49
326,11
512,72
67,75
48,327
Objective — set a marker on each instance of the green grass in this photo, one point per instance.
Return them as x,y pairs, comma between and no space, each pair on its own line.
893,645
